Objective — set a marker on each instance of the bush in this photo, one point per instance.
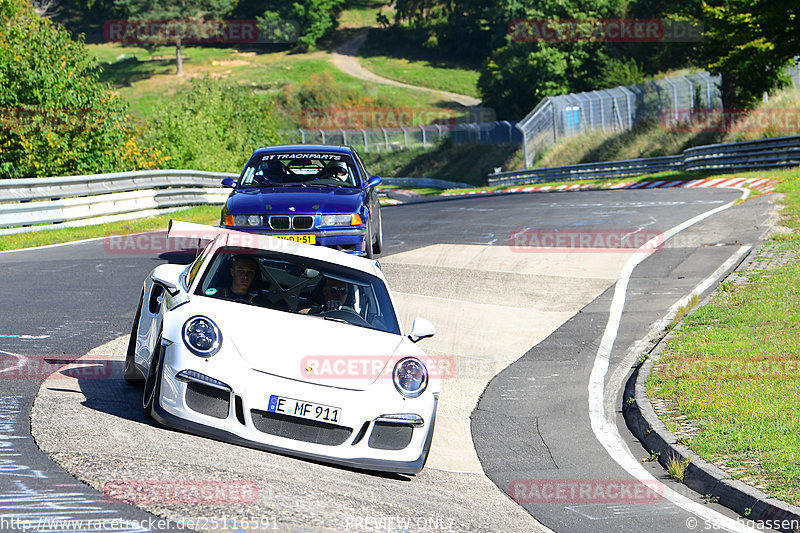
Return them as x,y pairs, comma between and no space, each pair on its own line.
213,126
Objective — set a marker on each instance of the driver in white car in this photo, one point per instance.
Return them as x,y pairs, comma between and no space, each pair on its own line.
330,295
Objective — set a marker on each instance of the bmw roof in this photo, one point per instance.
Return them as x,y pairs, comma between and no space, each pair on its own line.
304,148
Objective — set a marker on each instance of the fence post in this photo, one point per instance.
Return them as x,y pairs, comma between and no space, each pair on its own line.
322,133
344,137
691,92
508,126
405,137
302,136
385,138
674,96
526,156
366,146
658,93
424,142
628,94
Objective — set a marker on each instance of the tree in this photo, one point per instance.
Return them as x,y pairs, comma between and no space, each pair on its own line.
517,76
178,15
56,118
750,42
314,18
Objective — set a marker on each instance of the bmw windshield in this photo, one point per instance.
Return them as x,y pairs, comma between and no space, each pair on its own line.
299,169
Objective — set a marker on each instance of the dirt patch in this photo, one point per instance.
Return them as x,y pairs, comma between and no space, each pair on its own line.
229,62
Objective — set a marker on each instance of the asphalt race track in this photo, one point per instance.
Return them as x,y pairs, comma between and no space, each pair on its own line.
529,328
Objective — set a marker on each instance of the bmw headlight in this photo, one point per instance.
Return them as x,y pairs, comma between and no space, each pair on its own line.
410,377
202,336
247,220
341,220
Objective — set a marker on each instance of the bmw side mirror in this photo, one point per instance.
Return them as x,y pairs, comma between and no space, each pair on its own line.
421,328
373,181
229,183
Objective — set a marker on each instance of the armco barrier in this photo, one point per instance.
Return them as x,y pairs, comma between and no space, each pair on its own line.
26,204
95,199
778,152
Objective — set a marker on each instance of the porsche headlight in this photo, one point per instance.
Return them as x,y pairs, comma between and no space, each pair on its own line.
202,336
341,220
410,377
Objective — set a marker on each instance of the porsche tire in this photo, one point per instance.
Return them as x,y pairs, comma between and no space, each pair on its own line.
152,385
131,373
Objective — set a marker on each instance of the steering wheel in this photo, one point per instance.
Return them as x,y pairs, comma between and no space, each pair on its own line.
347,314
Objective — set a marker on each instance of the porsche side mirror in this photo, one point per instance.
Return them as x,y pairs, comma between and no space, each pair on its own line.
229,183
373,181
421,328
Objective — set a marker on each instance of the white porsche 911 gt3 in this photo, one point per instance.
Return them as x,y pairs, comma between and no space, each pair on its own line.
285,347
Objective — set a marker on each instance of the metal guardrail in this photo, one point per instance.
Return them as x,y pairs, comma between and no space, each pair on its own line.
95,199
38,204
777,152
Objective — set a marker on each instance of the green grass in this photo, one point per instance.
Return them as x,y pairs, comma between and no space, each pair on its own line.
434,75
733,368
362,13
145,79
207,214
396,54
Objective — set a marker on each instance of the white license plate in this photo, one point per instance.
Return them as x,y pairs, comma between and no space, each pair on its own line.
301,409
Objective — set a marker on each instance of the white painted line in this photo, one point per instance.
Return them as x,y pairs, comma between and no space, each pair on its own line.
605,430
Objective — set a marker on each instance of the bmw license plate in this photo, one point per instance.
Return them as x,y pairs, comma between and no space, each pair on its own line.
301,409
305,239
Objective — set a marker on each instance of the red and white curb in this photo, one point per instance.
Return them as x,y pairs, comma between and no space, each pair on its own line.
394,201
759,185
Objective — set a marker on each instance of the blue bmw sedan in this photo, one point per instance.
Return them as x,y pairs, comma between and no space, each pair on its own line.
312,194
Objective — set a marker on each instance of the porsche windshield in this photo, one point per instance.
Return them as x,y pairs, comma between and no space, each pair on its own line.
299,169
299,285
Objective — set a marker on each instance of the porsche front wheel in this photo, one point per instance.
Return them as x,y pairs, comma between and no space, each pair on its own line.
152,385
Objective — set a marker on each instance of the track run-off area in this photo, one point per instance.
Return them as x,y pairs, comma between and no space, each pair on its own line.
529,434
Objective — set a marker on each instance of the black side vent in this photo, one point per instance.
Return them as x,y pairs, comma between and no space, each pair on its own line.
390,436
207,400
